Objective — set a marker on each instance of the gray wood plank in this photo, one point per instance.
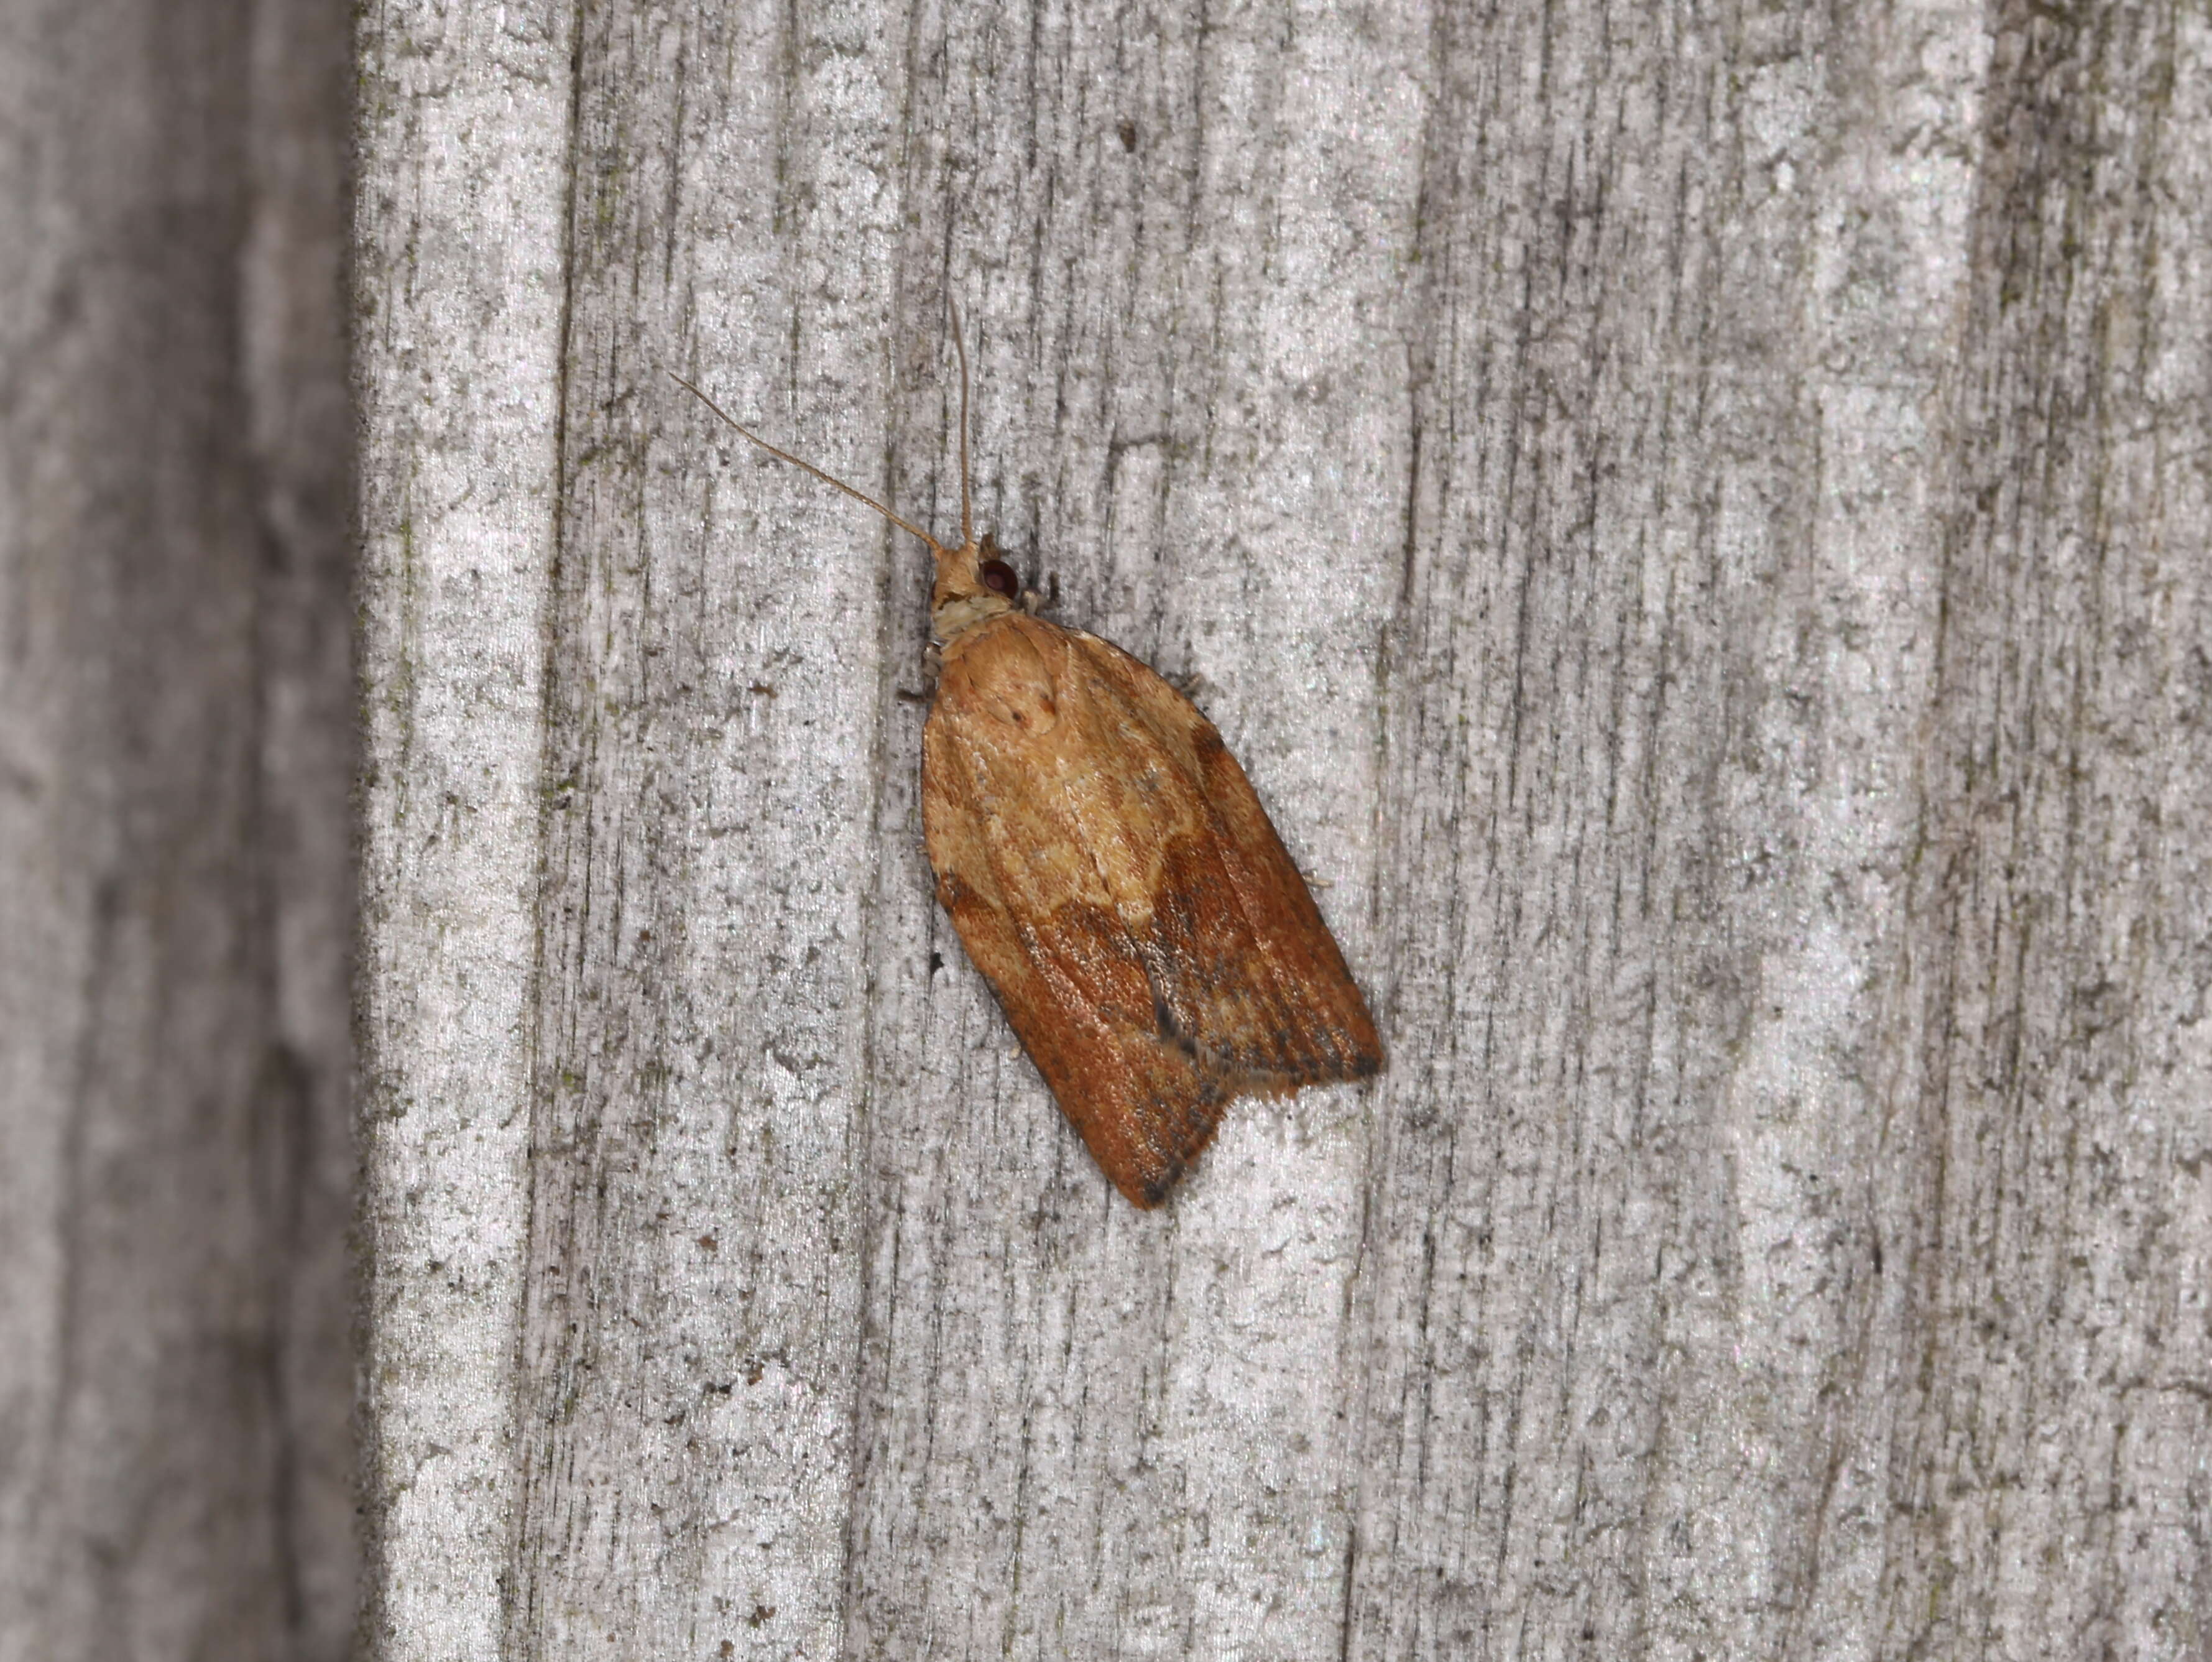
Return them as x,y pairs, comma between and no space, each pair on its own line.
459,276
1702,1332
1666,653
2036,1392
1087,1431
175,703
714,715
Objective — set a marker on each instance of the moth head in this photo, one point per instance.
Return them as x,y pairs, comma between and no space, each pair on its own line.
974,586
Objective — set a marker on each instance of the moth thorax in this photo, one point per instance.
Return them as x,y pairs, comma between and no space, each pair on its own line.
955,614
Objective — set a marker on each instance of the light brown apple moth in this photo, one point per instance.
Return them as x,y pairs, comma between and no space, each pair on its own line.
1111,872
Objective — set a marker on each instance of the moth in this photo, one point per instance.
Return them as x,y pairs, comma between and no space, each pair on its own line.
1110,871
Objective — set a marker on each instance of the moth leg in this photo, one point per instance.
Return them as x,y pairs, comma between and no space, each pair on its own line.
1193,686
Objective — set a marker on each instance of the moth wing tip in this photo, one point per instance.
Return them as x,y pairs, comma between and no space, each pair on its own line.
1145,1189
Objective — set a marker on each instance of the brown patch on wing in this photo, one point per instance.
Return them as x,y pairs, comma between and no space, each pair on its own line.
1110,871
1264,969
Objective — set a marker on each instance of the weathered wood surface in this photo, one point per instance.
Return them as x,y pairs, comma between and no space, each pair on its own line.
1696,521
176,1461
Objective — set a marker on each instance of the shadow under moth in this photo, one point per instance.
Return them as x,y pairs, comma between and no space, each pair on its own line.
1111,871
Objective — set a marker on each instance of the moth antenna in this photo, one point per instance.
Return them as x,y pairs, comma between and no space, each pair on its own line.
960,346
796,461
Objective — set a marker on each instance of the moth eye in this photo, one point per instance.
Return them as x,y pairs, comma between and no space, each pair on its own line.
998,577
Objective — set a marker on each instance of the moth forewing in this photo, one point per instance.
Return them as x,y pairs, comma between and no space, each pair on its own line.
1111,871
